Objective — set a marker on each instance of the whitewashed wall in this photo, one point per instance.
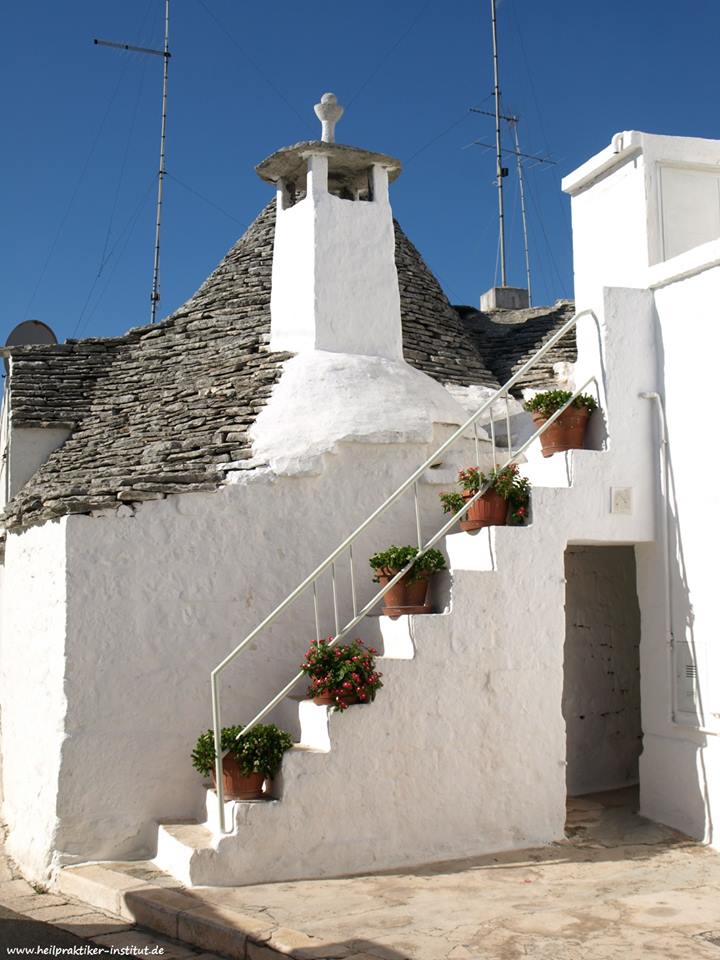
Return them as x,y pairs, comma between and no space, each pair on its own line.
155,600
680,764
464,751
681,768
33,611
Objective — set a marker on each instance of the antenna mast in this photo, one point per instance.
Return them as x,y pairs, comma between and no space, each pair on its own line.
155,292
498,144
513,122
165,54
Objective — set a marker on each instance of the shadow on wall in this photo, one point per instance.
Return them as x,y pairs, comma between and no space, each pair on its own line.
685,661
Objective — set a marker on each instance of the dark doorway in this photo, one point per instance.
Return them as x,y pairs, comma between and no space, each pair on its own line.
601,691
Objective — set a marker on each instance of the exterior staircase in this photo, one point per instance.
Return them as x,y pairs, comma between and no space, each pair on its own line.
463,751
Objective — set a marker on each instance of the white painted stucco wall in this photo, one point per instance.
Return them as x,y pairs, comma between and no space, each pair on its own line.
33,612
465,749
601,688
325,398
680,764
155,600
28,449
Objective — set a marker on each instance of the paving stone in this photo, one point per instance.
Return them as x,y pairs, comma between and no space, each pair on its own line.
219,929
91,925
36,901
300,946
140,941
93,884
50,914
14,889
157,908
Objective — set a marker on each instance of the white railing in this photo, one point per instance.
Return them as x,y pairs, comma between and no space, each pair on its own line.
346,546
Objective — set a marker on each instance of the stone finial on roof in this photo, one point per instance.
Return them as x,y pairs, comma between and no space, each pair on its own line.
328,111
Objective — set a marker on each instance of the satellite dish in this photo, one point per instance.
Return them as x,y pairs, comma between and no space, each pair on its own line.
27,333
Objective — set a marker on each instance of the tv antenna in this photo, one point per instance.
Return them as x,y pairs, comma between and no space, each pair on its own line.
165,54
502,171
513,121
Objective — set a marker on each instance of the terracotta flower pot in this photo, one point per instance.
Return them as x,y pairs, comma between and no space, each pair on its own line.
327,699
406,597
238,785
490,510
566,433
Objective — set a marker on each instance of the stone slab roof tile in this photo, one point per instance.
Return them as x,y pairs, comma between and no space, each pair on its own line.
157,410
506,339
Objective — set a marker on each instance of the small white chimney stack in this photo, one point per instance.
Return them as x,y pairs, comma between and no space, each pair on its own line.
334,282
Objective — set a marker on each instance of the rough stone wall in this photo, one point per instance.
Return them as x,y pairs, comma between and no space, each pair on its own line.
174,400
434,339
601,695
52,386
506,339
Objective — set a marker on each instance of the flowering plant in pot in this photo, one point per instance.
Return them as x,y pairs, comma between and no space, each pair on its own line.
248,762
568,431
342,674
505,501
409,595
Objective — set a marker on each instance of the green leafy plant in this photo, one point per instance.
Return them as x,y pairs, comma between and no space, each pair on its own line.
506,481
346,671
548,402
388,562
259,751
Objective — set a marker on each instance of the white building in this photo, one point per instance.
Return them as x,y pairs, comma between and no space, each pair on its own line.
166,490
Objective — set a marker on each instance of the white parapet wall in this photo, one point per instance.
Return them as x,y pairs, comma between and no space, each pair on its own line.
646,213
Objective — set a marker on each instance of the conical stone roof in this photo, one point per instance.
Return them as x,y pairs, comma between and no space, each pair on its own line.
156,411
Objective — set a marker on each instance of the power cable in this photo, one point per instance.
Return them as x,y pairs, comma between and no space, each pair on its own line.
250,60
76,189
538,112
125,234
207,200
123,165
452,126
561,284
392,49
83,171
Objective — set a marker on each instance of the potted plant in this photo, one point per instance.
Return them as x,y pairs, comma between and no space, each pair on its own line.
409,595
341,675
568,431
505,501
248,762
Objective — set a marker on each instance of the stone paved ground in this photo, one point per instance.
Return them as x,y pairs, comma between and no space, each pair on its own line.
619,888
32,917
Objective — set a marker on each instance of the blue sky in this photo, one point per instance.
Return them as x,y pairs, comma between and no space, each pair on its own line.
81,130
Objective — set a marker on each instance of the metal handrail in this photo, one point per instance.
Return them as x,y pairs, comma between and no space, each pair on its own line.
329,562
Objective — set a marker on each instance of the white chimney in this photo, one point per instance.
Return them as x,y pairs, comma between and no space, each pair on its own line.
334,282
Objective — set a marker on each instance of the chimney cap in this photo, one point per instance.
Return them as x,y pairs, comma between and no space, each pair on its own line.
328,112
346,163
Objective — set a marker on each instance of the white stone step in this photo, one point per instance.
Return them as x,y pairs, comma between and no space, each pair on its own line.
178,845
